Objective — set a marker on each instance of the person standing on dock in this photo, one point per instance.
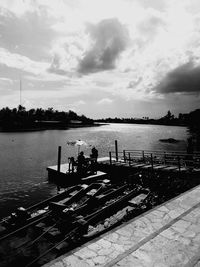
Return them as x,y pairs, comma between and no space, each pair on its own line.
81,162
71,164
94,157
94,154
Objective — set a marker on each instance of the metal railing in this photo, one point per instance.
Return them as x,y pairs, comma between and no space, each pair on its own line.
179,159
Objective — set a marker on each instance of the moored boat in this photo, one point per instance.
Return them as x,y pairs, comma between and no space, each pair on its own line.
22,217
66,227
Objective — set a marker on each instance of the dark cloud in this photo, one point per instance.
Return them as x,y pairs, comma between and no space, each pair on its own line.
109,38
184,79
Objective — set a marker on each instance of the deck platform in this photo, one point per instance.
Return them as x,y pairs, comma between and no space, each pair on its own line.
63,176
139,166
168,235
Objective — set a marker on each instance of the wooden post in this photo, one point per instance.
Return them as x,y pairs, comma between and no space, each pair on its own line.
129,158
124,155
179,164
143,156
116,150
152,161
59,161
59,158
110,156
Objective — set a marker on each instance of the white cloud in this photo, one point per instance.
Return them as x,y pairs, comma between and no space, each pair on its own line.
23,63
6,80
57,50
105,101
75,106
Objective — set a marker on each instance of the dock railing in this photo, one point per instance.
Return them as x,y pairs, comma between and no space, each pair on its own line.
179,159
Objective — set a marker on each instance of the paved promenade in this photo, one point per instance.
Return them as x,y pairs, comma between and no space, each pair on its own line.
168,235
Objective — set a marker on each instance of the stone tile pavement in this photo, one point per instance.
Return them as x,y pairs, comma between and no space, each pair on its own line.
168,235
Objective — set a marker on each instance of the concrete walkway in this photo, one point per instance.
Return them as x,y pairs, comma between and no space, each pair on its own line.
168,235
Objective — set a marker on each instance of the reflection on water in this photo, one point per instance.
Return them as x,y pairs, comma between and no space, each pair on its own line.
25,156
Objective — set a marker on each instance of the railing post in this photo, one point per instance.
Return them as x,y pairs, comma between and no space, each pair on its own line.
110,157
143,156
116,150
179,164
124,155
59,158
58,166
129,158
152,161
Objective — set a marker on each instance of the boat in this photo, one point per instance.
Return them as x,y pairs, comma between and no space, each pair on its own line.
22,217
72,221
111,216
77,200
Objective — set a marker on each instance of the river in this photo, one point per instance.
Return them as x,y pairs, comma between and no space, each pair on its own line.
25,155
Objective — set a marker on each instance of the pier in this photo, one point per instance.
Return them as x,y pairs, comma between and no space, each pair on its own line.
68,178
167,161
127,162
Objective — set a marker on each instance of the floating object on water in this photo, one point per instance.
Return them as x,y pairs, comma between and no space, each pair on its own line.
169,140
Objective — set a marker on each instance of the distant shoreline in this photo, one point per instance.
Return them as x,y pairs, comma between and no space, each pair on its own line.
146,123
69,126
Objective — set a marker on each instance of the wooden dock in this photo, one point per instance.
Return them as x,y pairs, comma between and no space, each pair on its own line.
65,178
161,161
126,162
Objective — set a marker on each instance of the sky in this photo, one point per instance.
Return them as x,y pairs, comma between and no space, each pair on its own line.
101,58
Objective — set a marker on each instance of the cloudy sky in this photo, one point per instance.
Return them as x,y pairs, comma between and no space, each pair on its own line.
101,57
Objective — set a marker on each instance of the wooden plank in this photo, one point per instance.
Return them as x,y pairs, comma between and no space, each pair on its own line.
98,175
137,200
160,167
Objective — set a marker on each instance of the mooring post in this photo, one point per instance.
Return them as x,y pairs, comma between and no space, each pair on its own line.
59,158
110,157
124,155
129,158
116,150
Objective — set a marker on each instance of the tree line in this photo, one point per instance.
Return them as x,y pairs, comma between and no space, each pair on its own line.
190,119
20,118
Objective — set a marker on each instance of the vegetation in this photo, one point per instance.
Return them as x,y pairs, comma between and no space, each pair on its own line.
189,119
33,119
